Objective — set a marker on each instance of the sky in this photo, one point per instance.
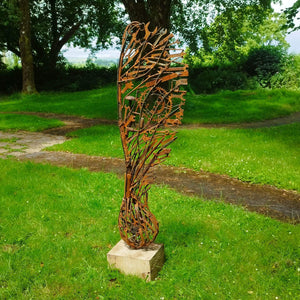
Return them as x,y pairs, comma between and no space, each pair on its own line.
293,39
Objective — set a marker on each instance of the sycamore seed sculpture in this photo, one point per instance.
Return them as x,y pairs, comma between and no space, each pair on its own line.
149,101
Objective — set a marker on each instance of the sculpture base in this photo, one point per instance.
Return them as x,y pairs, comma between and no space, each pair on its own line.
144,263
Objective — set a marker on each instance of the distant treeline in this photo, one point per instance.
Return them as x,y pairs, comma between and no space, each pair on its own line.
79,62
265,67
65,78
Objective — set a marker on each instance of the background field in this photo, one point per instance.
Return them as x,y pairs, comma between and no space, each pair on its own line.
222,107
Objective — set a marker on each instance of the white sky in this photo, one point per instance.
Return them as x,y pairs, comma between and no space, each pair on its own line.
293,39
82,53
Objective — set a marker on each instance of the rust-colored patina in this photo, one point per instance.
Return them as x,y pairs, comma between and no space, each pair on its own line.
149,101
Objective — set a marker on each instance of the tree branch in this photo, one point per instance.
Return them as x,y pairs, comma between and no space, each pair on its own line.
14,50
67,36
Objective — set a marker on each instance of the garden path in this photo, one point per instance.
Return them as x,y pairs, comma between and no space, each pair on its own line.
73,122
292,118
277,203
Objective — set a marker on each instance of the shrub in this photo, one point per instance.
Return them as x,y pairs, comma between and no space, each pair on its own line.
264,62
72,78
10,80
289,77
64,78
213,79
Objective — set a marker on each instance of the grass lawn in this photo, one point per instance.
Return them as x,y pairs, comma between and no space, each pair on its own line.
94,103
223,107
25,122
240,106
58,224
265,155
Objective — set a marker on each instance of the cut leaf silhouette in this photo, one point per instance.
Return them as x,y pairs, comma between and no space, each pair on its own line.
149,100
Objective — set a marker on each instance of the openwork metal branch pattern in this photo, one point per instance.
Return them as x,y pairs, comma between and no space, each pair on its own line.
149,101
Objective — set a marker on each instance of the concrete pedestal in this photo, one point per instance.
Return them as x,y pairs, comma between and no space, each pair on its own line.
144,263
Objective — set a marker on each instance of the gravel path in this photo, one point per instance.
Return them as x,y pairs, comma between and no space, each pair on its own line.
18,143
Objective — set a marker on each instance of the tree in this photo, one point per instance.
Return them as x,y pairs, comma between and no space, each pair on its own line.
189,18
10,26
195,19
55,23
231,36
292,14
264,62
25,49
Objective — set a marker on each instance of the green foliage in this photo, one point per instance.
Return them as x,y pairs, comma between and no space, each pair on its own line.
9,18
267,66
264,62
2,65
56,23
57,226
73,79
10,60
231,36
213,79
66,78
24,122
292,14
289,77
105,62
192,20
234,37
91,24
10,80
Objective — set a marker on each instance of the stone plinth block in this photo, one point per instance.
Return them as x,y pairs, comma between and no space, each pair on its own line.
145,263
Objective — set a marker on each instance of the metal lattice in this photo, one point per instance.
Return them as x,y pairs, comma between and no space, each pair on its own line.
149,101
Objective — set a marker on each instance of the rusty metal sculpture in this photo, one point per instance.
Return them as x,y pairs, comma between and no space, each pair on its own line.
149,101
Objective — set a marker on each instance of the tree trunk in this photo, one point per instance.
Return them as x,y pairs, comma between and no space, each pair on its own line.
25,49
157,12
160,12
